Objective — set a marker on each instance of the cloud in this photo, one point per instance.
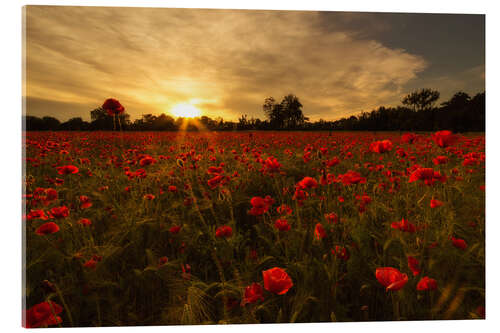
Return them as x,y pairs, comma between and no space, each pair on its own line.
470,80
228,61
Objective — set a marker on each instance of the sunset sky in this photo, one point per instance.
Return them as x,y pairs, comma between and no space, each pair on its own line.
226,62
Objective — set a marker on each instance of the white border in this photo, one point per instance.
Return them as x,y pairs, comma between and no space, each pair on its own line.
10,165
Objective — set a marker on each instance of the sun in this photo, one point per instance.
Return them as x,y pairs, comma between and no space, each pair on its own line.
185,110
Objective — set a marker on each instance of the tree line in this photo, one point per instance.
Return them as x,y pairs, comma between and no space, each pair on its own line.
418,112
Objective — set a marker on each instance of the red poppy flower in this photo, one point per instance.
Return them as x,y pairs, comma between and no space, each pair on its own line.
381,146
428,175
50,194
444,138
319,231
147,160
459,243
351,178
47,228
427,283
216,181
43,314
213,170
413,264
421,174
162,261
440,160
391,278
85,202
272,165
332,218
341,252
113,107
481,311
333,162
404,225
91,264
282,225
37,214
408,138
307,182
224,231
277,281
253,293
172,188
59,212
284,209
436,203
149,196
85,222
307,157
175,229
260,205
67,170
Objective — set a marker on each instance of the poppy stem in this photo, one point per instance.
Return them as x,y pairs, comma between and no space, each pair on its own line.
395,305
68,312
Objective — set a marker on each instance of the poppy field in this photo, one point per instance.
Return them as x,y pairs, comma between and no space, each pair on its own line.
170,228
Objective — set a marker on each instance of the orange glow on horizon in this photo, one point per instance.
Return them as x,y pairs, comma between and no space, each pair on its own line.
185,110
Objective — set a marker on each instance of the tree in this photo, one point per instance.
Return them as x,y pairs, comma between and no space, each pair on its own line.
287,114
242,122
420,100
32,123
50,123
74,124
292,111
458,101
273,112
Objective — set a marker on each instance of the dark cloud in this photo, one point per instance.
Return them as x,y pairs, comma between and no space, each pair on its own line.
226,61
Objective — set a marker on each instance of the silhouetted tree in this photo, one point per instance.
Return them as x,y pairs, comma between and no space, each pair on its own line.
32,123
292,111
75,124
458,101
422,99
461,113
273,112
50,123
287,114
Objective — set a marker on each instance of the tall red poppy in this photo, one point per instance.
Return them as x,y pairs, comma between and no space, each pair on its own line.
426,283
113,106
404,225
67,169
391,278
253,293
47,228
319,231
413,264
224,231
43,314
277,281
459,243
282,225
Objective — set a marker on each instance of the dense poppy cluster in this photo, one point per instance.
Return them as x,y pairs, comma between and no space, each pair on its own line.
191,228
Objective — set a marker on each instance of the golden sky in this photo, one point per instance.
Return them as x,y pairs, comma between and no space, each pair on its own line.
226,62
